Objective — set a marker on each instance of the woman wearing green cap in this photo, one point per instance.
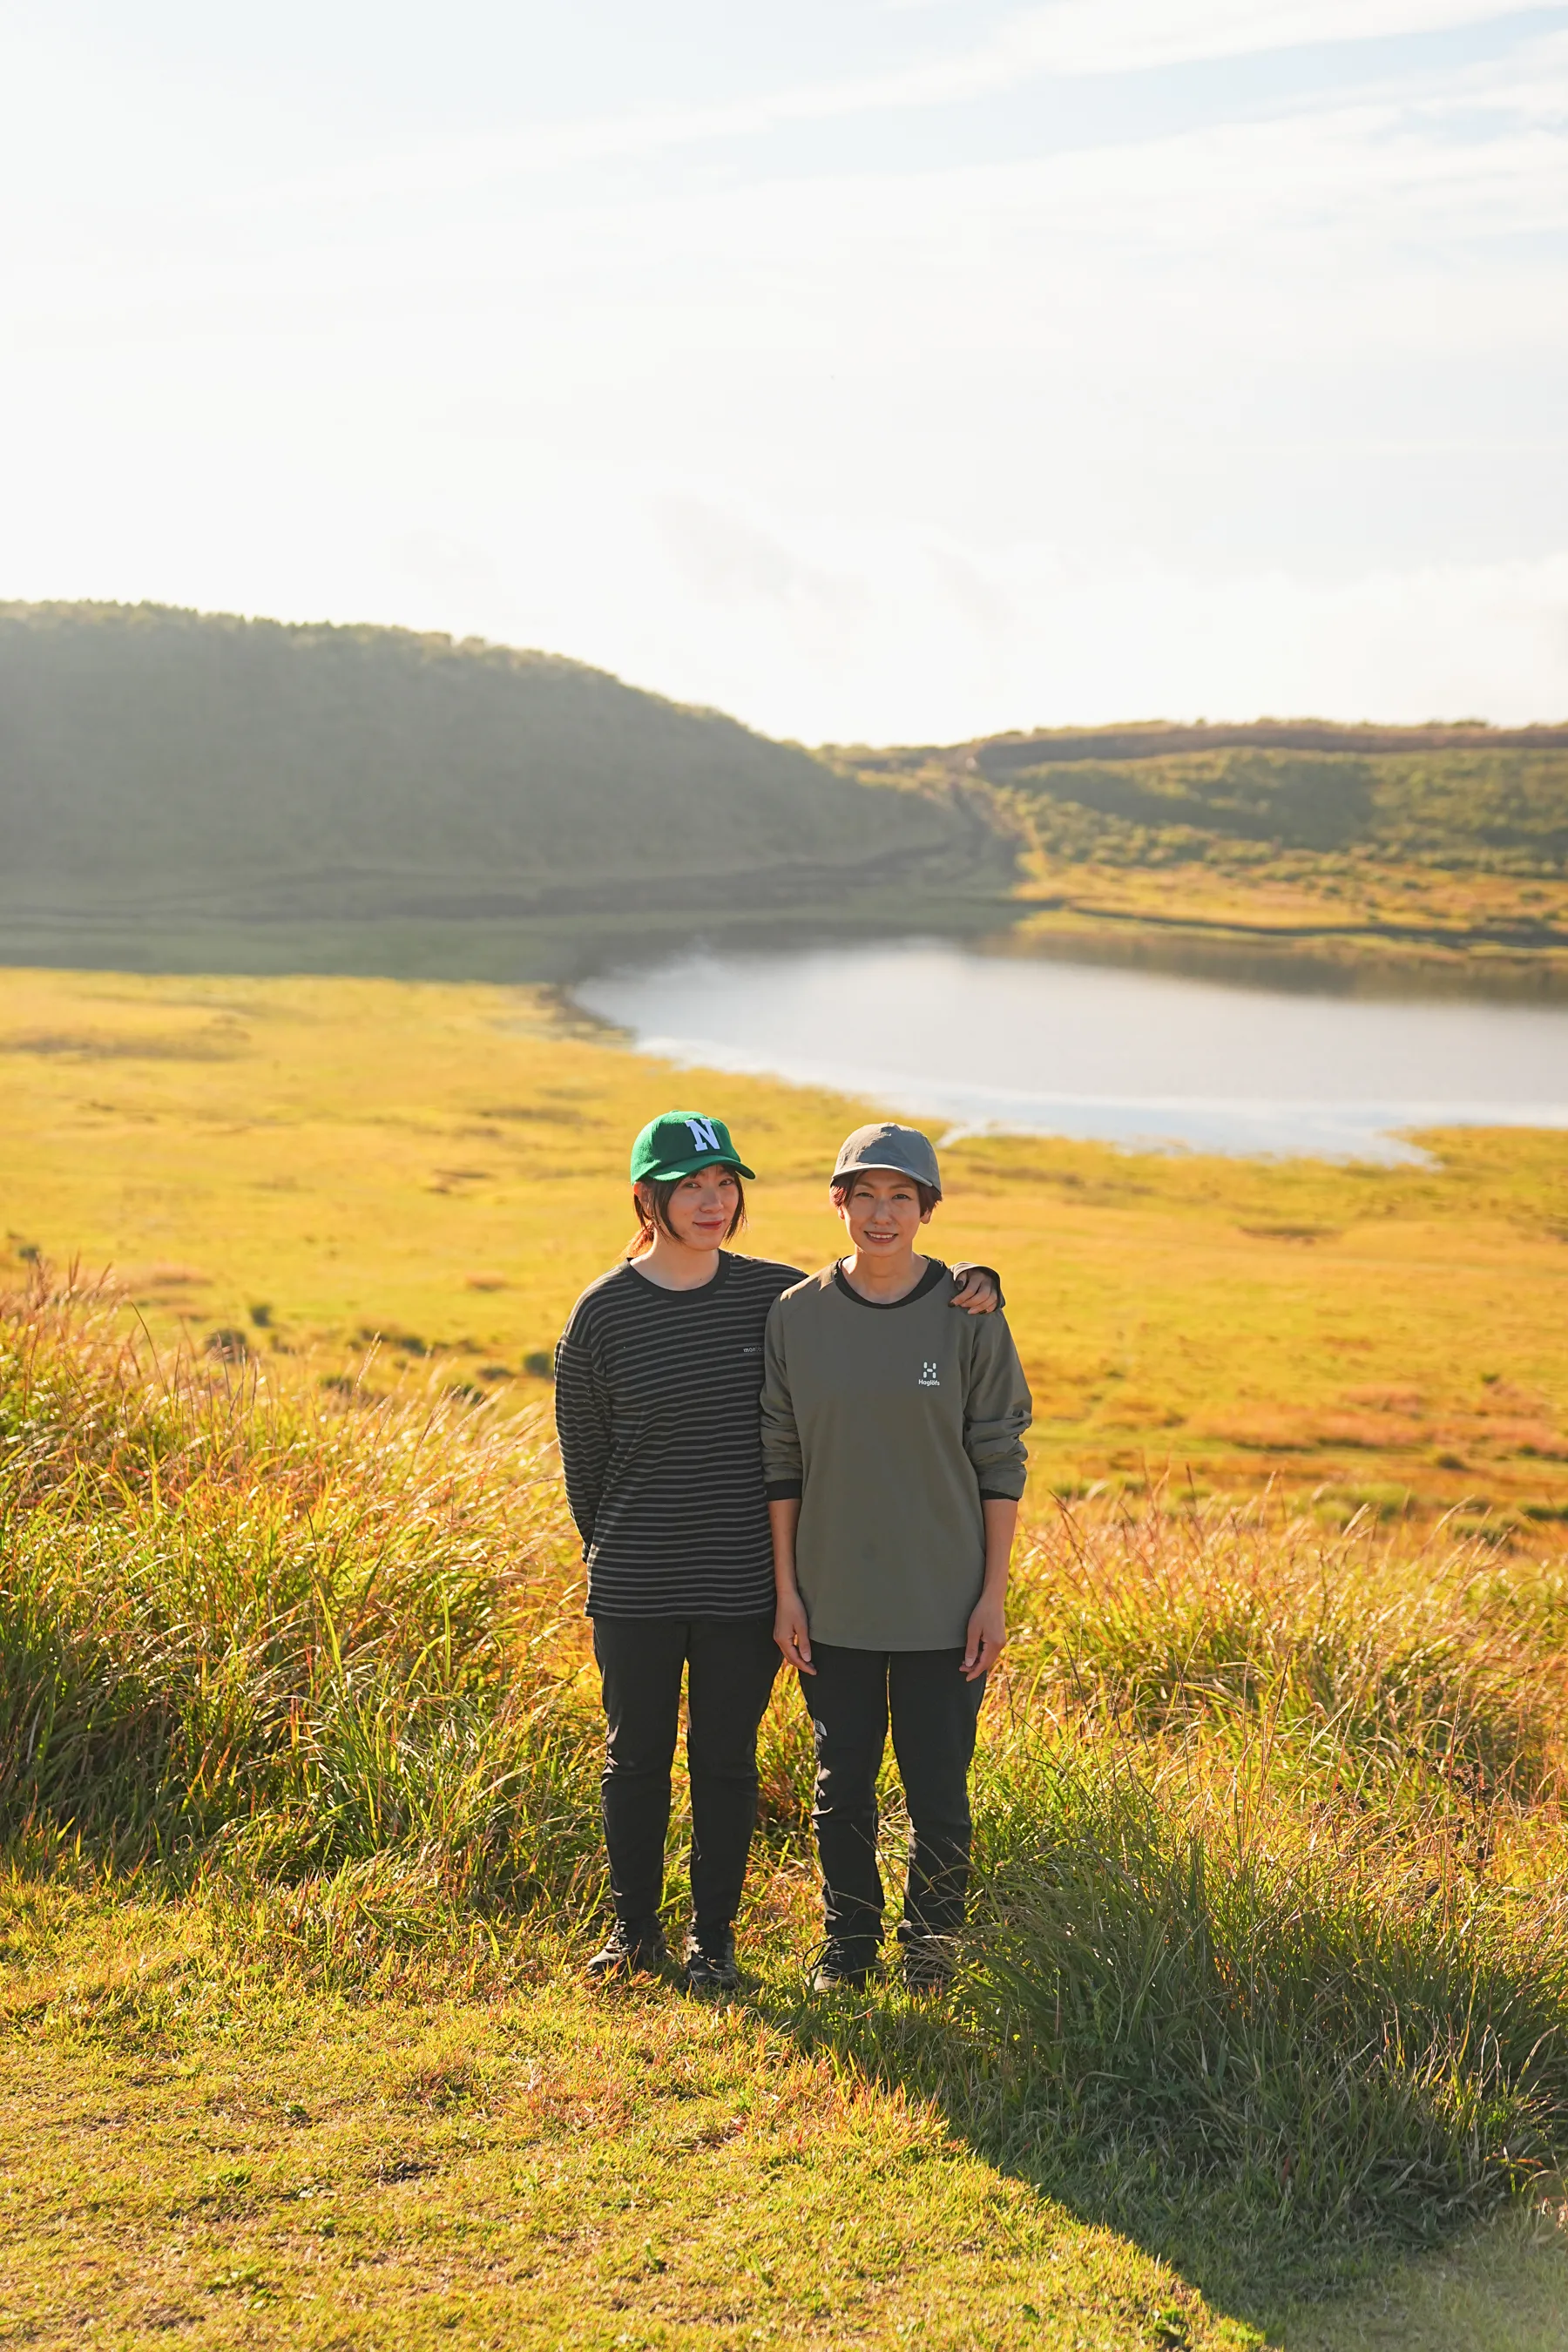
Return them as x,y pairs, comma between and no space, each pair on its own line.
659,1376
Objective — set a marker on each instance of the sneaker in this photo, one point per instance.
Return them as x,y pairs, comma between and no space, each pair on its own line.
635,1947
843,1967
710,1961
930,1962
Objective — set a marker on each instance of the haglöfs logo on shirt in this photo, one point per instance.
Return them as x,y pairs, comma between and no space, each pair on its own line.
928,1379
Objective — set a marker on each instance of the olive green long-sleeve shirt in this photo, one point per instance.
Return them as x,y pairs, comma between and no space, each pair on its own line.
890,1423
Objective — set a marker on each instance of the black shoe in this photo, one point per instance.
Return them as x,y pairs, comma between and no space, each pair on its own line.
710,1961
635,1947
930,1962
844,1966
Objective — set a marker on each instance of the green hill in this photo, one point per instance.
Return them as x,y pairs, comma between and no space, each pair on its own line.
174,785
1462,797
1446,840
189,791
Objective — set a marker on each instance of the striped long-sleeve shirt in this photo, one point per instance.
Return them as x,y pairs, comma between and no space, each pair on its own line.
657,1396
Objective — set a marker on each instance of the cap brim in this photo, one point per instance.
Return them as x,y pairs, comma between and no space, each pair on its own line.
881,1168
694,1167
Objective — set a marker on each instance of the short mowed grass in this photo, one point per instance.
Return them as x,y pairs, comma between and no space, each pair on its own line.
1267,1990
211,2159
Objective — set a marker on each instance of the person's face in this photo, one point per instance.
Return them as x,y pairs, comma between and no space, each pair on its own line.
883,1215
701,1207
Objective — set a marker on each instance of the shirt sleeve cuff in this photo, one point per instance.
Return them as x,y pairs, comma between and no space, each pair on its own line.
782,1490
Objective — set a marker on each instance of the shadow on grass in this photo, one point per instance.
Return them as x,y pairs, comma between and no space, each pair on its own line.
1263,2009
1266,2057
1218,2235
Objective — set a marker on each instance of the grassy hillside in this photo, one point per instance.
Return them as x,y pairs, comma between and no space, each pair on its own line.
1424,842
193,791
295,796
1266,1983
1266,1996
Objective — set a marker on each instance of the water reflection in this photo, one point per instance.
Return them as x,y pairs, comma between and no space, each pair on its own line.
1042,1046
1283,969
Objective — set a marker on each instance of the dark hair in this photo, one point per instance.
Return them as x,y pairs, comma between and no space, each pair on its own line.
663,1189
842,1187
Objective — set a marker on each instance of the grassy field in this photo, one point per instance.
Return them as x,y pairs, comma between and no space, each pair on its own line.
1268,1983
1263,2032
309,1164
194,2157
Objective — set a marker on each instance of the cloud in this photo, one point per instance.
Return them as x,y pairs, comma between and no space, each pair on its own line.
1064,37
436,560
1050,641
728,559
1259,413
1122,35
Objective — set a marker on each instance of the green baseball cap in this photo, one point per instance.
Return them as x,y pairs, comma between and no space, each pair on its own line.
680,1143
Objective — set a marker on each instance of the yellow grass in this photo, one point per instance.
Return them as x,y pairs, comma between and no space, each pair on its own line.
200,2151
225,2166
315,1162
1372,913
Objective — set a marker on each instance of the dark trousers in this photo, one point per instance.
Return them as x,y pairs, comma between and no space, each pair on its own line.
729,1664
934,1712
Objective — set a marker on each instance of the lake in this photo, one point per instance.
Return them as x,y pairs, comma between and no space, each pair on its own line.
1047,1046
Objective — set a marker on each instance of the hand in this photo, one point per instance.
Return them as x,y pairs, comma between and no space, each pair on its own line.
977,1294
792,1634
986,1638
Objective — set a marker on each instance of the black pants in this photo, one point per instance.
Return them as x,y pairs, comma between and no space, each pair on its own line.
731,1663
933,1711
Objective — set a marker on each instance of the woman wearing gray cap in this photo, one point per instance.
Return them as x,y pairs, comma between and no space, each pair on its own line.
657,1374
893,1444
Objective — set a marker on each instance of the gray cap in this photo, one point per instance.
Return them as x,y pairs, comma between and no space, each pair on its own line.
903,1149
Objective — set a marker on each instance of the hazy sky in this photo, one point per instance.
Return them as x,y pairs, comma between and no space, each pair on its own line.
886,369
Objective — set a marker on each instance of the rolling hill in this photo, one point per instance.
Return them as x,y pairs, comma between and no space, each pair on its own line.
174,785
187,791
1447,842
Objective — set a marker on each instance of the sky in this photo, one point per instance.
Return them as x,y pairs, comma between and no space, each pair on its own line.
880,370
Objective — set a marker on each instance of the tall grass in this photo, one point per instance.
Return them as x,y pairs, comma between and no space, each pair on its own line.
237,1625
1381,1658
1270,1961
1310,2004
1270,1955
1267,2034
